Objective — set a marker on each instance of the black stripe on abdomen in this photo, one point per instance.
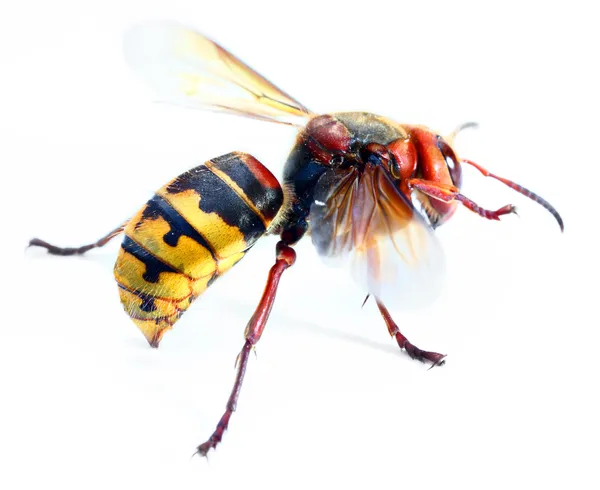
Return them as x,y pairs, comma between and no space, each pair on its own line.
154,266
158,207
217,197
266,195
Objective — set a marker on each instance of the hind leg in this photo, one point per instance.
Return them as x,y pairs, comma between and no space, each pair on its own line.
285,258
54,250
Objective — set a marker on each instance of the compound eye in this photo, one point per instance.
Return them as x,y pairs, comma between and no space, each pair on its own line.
452,162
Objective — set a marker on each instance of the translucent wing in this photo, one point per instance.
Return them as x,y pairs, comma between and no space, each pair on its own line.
364,219
186,68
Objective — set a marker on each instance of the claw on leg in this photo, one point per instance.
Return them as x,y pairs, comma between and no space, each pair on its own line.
412,350
420,355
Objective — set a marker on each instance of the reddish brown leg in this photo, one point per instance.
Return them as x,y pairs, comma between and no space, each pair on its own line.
54,250
412,350
522,190
447,193
285,258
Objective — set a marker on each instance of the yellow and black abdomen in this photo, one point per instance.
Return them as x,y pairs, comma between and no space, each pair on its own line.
193,230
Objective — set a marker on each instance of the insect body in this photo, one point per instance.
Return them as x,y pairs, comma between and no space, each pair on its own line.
368,190
193,230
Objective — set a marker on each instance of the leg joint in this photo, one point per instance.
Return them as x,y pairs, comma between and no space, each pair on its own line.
286,253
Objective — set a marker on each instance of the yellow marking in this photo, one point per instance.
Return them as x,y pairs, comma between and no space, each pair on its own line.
162,309
238,190
226,264
153,331
129,271
199,286
184,303
188,256
224,239
175,291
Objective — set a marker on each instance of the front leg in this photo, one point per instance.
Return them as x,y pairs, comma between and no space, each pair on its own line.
412,350
448,193
285,258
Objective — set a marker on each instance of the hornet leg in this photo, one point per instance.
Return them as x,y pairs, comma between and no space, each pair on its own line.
54,250
413,351
448,193
285,258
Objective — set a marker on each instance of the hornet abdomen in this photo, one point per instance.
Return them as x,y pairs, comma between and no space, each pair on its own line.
193,230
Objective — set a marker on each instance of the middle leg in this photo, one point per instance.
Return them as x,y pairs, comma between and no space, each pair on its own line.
412,350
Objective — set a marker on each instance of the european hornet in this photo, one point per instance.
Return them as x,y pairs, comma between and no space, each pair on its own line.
368,191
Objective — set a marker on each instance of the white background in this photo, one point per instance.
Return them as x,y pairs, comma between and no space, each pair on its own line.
330,401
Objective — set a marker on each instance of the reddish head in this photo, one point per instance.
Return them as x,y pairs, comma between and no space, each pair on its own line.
437,163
